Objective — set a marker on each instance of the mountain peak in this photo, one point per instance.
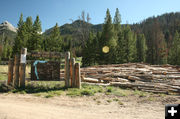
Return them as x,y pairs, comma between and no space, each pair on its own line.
7,26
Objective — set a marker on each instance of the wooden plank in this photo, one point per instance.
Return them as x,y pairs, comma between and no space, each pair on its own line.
46,54
10,71
16,71
23,68
67,69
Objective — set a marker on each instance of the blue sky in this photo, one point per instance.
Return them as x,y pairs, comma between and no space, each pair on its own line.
60,11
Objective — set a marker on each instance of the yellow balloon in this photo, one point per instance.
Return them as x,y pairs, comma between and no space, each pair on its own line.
105,49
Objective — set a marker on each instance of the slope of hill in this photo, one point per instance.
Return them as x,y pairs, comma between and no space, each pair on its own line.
169,23
69,29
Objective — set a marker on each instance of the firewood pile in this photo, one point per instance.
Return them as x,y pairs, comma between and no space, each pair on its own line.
149,78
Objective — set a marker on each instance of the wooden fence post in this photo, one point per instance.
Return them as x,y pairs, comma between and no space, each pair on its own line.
70,70
78,75
73,72
16,71
23,67
67,69
10,71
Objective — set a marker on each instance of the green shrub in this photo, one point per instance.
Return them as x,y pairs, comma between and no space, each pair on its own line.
109,89
87,92
49,96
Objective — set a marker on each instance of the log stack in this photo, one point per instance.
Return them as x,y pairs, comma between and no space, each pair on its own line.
150,78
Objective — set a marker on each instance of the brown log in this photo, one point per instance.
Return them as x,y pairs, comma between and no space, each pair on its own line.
90,80
78,75
16,71
133,78
122,84
67,69
22,75
10,71
120,80
72,72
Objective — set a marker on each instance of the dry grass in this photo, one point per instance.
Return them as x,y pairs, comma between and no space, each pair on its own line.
4,70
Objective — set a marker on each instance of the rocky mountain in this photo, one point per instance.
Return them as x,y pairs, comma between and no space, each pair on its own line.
7,26
7,30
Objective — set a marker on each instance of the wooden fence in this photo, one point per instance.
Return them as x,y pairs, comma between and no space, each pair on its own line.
17,68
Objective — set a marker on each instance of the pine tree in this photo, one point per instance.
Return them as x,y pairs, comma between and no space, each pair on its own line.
174,57
118,34
120,49
18,40
157,47
7,49
141,48
28,33
117,21
87,52
54,42
108,39
21,22
36,34
130,44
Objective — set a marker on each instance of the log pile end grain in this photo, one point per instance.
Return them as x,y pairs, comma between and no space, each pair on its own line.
134,75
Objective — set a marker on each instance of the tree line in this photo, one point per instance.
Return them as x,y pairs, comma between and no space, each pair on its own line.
145,42
152,41
123,44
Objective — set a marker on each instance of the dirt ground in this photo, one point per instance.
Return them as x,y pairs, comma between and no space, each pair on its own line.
27,106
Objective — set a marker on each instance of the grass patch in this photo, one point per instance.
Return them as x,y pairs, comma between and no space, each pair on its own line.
38,94
49,96
3,77
117,91
109,101
40,87
87,92
73,92
120,103
4,69
109,89
151,99
115,99
80,92
49,89
140,93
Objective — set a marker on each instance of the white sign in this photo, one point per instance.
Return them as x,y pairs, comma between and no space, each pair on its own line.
23,58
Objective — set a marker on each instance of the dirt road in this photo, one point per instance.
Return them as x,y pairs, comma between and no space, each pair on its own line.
18,106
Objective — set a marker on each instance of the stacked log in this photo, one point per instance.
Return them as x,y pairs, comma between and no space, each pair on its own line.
150,78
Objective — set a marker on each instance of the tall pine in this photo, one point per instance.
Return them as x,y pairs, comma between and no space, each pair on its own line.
28,36
117,21
129,44
141,48
174,57
18,40
37,37
54,43
107,39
